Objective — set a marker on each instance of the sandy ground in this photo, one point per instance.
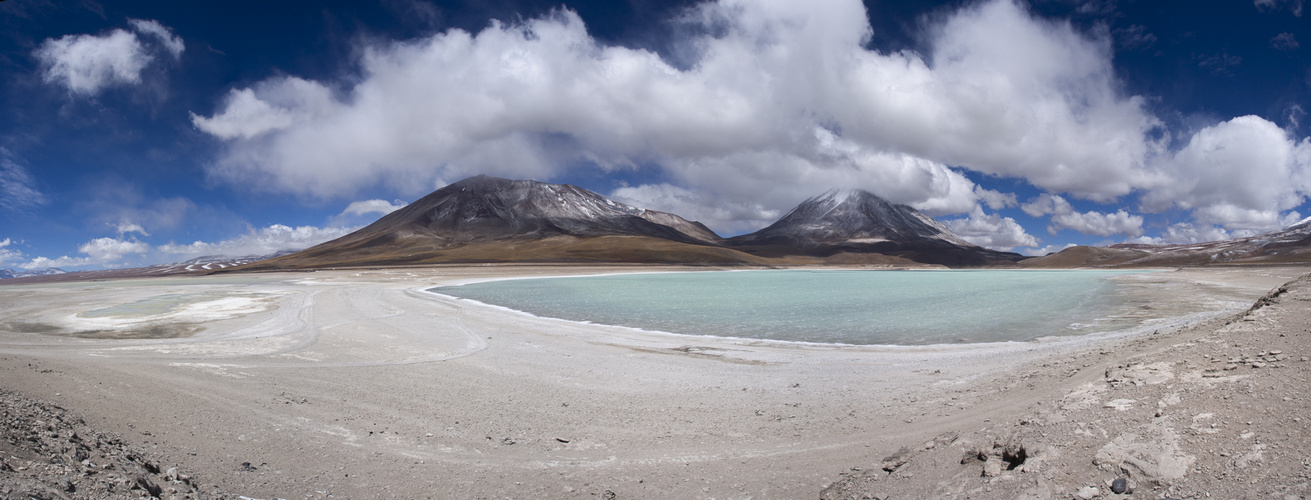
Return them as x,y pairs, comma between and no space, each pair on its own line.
357,384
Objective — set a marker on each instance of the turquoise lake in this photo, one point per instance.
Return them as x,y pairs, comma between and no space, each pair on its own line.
847,307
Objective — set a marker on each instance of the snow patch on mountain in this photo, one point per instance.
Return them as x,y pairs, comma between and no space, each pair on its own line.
10,273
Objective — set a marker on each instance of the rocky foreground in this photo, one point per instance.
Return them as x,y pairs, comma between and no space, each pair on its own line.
47,453
1220,410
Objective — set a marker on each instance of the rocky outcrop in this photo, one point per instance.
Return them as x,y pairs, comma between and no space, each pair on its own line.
48,453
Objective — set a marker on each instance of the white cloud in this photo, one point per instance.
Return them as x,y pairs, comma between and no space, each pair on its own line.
991,231
124,228
1184,233
1291,218
1241,174
781,102
1098,223
8,256
17,188
360,213
85,64
165,36
1038,252
119,252
380,207
281,103
995,200
1064,216
100,252
1046,204
770,103
1294,6
722,215
111,249
65,261
262,241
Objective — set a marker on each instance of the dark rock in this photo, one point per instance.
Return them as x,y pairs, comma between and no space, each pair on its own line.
1120,486
896,460
146,484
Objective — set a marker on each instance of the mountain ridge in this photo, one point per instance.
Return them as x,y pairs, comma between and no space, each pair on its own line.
1292,244
490,219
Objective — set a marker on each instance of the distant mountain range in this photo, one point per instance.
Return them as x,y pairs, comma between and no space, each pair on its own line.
1289,245
199,265
489,219
10,273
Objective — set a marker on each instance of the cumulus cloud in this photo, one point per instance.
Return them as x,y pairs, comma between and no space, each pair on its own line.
285,102
380,207
8,255
780,101
1243,173
1064,216
124,228
161,33
769,103
122,251
87,64
360,213
111,249
1284,41
995,200
1294,6
17,187
100,252
722,215
1186,232
991,231
262,241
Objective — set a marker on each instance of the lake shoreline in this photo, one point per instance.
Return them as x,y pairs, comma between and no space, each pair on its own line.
355,384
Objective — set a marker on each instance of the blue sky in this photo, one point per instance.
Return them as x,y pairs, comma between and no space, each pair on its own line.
137,133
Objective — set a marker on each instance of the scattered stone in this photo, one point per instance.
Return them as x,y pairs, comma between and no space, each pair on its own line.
1120,486
1088,492
146,484
896,460
76,462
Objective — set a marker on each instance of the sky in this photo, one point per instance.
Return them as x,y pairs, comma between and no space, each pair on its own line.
139,133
